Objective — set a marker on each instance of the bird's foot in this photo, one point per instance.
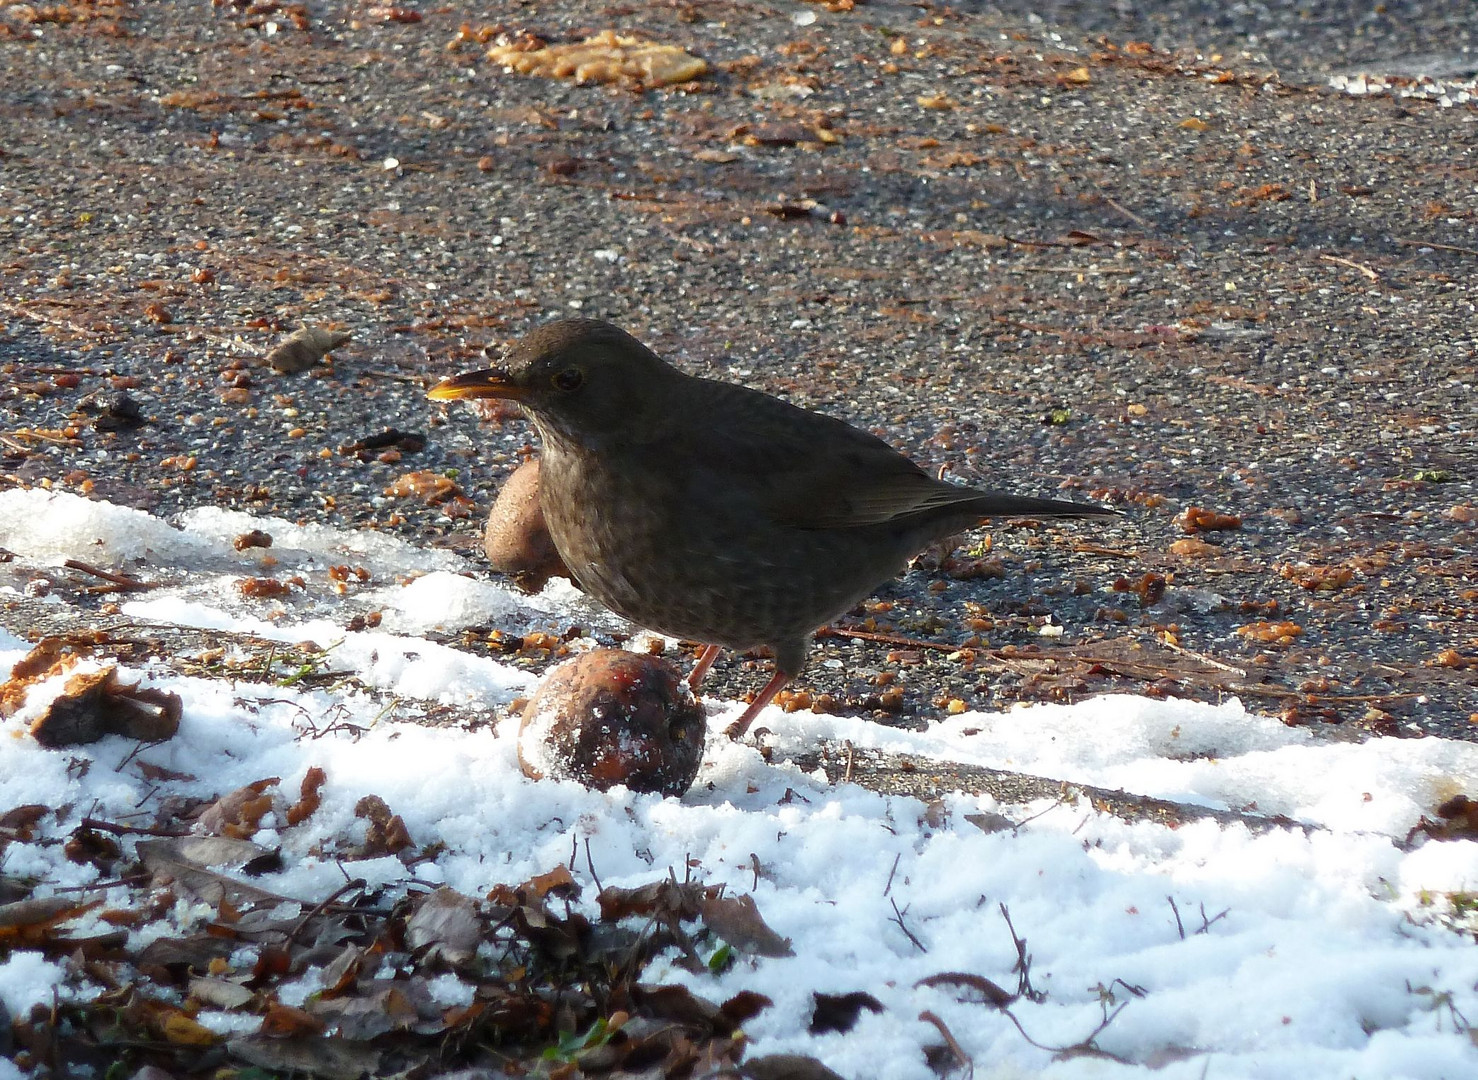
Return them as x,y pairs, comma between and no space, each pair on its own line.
737,729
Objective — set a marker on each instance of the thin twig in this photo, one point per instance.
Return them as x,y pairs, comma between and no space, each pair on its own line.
1084,1046
414,380
1130,214
590,865
898,918
1367,271
888,887
1087,547
1061,800
99,825
122,581
884,639
1204,659
1179,926
1206,923
1439,247
949,1039
1023,961
1036,243
323,905
132,879
1076,269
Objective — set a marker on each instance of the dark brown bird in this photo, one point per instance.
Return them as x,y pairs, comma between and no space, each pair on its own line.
713,512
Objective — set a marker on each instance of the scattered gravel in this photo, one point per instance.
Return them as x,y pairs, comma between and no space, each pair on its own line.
1037,253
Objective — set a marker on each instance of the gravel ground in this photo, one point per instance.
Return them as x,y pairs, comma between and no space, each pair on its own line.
1300,38
1034,252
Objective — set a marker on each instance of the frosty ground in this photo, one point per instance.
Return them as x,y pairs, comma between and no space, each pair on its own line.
1325,948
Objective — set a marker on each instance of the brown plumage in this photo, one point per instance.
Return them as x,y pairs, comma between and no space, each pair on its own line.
713,512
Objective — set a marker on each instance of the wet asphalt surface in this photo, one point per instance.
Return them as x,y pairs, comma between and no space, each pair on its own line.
1171,275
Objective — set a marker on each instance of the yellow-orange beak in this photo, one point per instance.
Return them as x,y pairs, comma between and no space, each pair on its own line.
487,383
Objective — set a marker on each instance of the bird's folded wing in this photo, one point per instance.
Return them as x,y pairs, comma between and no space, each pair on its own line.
809,471
841,495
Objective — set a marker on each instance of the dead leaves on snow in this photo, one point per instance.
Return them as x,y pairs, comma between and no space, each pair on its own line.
90,704
528,976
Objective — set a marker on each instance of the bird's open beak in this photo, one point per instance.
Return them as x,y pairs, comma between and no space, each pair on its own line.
487,383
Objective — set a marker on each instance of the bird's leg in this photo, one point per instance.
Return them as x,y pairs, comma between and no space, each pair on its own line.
737,729
700,669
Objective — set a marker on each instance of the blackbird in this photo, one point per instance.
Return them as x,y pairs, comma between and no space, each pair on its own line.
713,512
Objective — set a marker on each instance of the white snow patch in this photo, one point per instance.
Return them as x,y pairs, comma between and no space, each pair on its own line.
1300,951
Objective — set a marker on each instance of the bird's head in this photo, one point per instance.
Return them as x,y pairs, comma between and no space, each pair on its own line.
582,379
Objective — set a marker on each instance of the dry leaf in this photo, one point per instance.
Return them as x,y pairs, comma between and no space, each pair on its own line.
737,920
30,922
329,1059
387,832
93,704
308,797
787,1067
446,921
238,814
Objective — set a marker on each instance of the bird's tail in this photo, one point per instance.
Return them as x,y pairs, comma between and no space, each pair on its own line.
995,504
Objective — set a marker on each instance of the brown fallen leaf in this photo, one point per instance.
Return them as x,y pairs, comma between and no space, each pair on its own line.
737,920
446,922
287,1020
839,1012
787,1067
665,899
30,923
1271,633
93,704
18,824
308,797
970,987
329,1059
254,539
382,1006
188,860
239,813
220,993
194,953
180,1029
1317,578
558,881
387,832
50,656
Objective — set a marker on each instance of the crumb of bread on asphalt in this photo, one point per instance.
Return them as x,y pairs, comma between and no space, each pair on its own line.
606,57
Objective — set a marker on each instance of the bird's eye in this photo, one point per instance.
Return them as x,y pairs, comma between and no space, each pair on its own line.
568,379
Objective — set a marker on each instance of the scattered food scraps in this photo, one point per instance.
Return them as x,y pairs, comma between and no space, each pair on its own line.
304,348
606,58
516,537
610,717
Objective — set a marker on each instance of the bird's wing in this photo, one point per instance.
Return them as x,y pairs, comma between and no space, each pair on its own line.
810,471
